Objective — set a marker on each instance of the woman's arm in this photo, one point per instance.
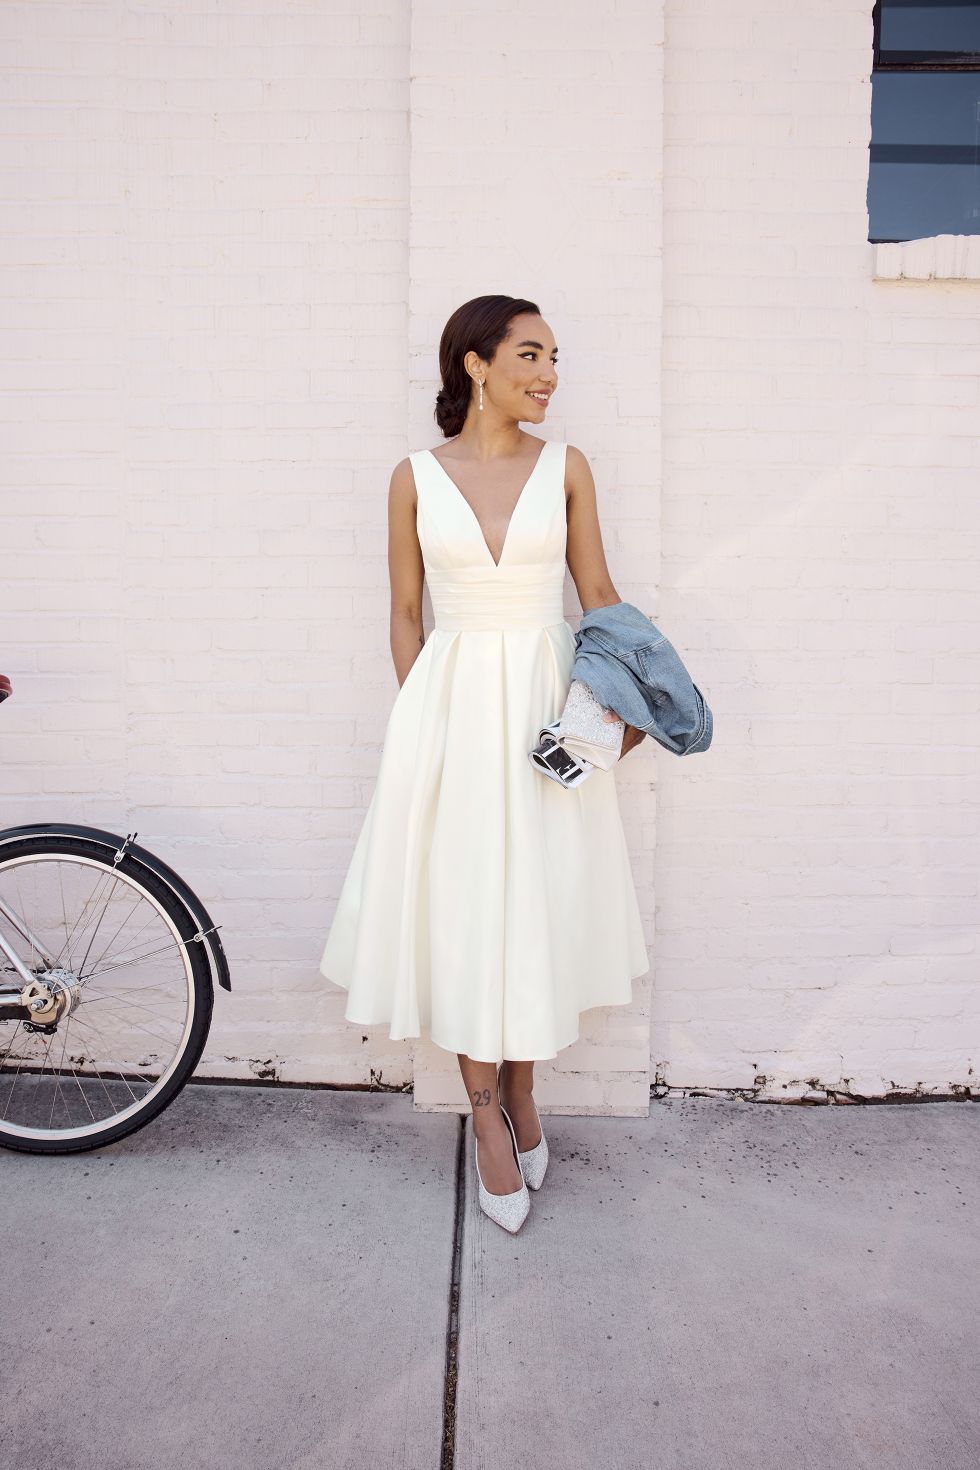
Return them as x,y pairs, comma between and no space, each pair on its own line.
584,551
406,571
585,554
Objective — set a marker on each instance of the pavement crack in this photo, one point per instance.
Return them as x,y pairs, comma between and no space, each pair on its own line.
447,1459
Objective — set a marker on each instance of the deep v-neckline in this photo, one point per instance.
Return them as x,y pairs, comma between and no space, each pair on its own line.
517,503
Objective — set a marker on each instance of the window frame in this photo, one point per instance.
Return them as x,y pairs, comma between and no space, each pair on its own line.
928,60
932,257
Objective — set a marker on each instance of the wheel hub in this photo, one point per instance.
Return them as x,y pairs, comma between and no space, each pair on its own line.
50,996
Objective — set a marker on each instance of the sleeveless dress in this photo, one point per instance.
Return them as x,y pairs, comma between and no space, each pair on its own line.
485,906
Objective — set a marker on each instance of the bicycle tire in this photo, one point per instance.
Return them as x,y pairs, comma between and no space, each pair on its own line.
186,925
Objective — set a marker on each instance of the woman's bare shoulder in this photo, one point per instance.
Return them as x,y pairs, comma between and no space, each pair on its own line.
578,472
401,487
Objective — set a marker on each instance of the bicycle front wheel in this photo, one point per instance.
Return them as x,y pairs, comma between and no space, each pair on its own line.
105,995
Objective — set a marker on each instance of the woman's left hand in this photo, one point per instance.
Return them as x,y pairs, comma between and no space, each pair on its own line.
631,735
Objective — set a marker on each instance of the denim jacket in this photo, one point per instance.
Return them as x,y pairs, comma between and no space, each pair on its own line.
632,669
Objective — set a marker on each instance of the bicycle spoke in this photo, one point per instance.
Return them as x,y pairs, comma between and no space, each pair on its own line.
103,881
57,1085
124,963
136,936
122,1079
23,910
136,1026
16,1073
105,910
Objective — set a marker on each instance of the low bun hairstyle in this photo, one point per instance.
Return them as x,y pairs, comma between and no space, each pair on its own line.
480,326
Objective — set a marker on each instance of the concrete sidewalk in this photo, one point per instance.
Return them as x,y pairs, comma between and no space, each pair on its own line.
282,1277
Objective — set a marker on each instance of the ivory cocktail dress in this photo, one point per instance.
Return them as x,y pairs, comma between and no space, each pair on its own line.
484,906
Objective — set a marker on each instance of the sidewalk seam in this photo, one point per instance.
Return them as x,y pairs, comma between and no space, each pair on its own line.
448,1457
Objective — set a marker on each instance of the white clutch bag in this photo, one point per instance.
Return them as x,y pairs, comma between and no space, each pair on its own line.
570,748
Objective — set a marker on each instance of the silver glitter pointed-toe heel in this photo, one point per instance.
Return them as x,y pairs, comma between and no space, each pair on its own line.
533,1161
508,1210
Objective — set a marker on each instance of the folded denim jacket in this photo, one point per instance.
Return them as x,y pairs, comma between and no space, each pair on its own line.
634,670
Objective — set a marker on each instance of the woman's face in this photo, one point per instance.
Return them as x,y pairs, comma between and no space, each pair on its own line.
522,377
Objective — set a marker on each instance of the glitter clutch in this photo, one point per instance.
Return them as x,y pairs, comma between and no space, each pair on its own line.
571,747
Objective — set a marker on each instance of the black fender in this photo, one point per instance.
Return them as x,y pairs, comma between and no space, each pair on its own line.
208,933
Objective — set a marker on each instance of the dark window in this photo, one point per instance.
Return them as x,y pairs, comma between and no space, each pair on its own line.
924,174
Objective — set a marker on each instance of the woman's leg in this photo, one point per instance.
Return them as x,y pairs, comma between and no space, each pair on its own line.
499,1168
516,1094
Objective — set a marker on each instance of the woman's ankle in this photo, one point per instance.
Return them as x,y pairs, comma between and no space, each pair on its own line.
517,1079
488,1120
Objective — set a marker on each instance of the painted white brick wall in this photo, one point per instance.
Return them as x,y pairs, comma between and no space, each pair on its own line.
232,239
205,355
816,872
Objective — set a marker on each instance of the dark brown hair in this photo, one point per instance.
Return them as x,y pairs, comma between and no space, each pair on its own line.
479,325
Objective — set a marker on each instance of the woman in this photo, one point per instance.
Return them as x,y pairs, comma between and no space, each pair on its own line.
486,906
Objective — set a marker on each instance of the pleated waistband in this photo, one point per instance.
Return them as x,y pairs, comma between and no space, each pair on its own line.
469,599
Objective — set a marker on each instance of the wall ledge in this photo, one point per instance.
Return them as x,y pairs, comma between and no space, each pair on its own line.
934,258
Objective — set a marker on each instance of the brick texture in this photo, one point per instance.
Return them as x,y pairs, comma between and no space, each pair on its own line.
816,872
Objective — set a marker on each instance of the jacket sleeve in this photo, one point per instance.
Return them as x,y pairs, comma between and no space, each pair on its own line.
681,720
